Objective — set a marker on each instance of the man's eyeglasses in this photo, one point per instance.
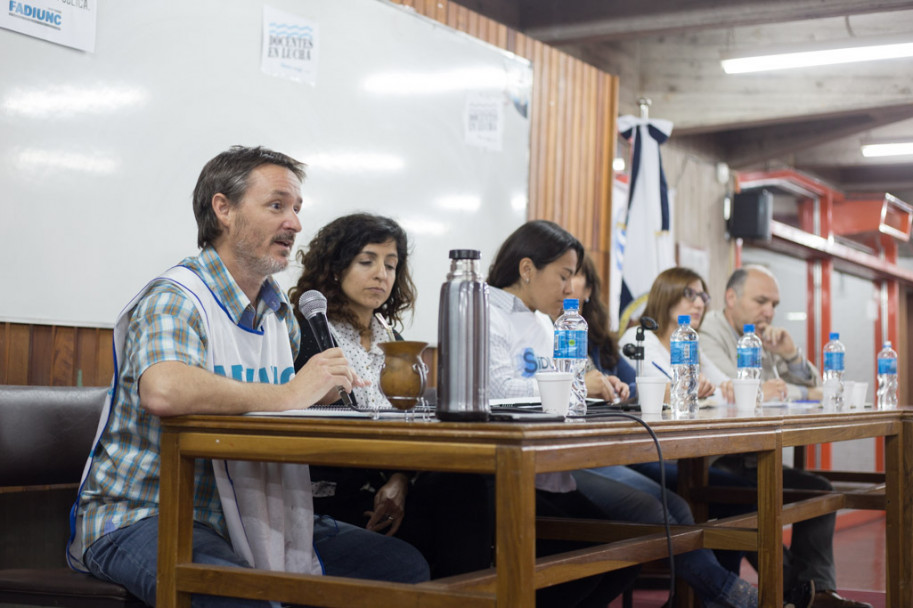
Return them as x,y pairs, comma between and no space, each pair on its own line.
692,294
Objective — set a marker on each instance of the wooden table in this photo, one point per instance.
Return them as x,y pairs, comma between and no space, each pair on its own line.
514,453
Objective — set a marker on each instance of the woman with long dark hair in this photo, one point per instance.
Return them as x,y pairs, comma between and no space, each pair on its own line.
360,263
532,273
530,277
602,345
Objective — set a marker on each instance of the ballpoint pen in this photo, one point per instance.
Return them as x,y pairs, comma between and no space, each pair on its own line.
659,367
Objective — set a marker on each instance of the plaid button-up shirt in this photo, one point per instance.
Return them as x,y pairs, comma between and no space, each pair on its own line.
123,484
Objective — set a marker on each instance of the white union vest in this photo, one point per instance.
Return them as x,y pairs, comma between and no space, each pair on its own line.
268,507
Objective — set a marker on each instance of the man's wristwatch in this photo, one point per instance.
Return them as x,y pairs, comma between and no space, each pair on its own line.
795,357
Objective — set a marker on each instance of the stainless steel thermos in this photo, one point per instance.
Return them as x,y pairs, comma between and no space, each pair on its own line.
462,333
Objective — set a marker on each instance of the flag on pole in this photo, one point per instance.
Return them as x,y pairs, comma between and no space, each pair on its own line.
619,215
646,247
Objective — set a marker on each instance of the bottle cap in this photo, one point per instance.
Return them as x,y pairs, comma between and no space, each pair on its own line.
571,304
835,335
684,319
748,328
465,254
887,344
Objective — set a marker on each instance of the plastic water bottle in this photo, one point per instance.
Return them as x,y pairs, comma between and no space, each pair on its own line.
749,356
686,368
571,352
834,354
887,377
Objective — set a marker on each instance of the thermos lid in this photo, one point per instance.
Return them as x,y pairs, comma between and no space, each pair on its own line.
465,254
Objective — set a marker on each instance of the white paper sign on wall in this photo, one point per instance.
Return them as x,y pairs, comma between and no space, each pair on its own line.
289,46
66,22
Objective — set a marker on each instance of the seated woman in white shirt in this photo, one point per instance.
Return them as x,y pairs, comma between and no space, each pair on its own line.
676,291
529,279
360,263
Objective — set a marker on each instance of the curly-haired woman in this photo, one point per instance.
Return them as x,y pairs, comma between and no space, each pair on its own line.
360,263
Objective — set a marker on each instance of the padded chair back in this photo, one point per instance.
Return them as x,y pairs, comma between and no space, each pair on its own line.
46,432
45,437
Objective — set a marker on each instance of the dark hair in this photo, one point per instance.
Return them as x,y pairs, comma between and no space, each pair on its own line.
596,315
739,276
668,289
227,174
539,240
331,252
736,281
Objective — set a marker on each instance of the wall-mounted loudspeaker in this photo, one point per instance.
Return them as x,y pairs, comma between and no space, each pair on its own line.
750,215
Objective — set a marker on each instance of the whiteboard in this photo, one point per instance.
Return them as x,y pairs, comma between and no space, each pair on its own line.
99,153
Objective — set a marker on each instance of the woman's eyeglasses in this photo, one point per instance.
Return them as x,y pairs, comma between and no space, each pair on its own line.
692,294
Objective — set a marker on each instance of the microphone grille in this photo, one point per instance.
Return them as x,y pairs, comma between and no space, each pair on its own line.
311,303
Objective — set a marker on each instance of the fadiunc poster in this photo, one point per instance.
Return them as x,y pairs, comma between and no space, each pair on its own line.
67,22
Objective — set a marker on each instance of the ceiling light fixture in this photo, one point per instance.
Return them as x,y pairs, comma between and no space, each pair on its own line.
898,148
817,55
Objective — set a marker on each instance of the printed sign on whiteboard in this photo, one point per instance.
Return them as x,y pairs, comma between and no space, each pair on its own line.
289,46
67,22
483,120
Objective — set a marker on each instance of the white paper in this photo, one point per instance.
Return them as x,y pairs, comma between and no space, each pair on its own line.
483,120
66,22
289,46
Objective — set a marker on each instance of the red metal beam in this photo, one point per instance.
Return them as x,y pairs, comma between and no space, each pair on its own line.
835,215
788,175
810,246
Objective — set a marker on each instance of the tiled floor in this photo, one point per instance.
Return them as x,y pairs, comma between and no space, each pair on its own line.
858,551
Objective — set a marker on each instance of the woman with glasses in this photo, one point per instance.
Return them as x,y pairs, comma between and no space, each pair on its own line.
681,291
676,291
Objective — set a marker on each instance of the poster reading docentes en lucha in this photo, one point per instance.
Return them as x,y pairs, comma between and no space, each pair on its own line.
67,22
289,46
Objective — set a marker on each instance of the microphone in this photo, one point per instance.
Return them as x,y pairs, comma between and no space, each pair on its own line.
636,353
313,306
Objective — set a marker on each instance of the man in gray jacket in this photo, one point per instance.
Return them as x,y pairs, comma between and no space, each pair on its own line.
752,295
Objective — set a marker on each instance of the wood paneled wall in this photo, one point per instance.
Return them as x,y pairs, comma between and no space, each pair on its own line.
572,143
54,355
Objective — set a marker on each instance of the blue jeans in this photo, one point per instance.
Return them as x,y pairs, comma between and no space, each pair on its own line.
810,557
625,495
731,560
591,592
128,556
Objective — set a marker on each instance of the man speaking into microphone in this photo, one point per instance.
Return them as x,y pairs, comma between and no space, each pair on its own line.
204,338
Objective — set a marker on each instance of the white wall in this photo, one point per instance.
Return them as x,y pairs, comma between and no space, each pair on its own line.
99,153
